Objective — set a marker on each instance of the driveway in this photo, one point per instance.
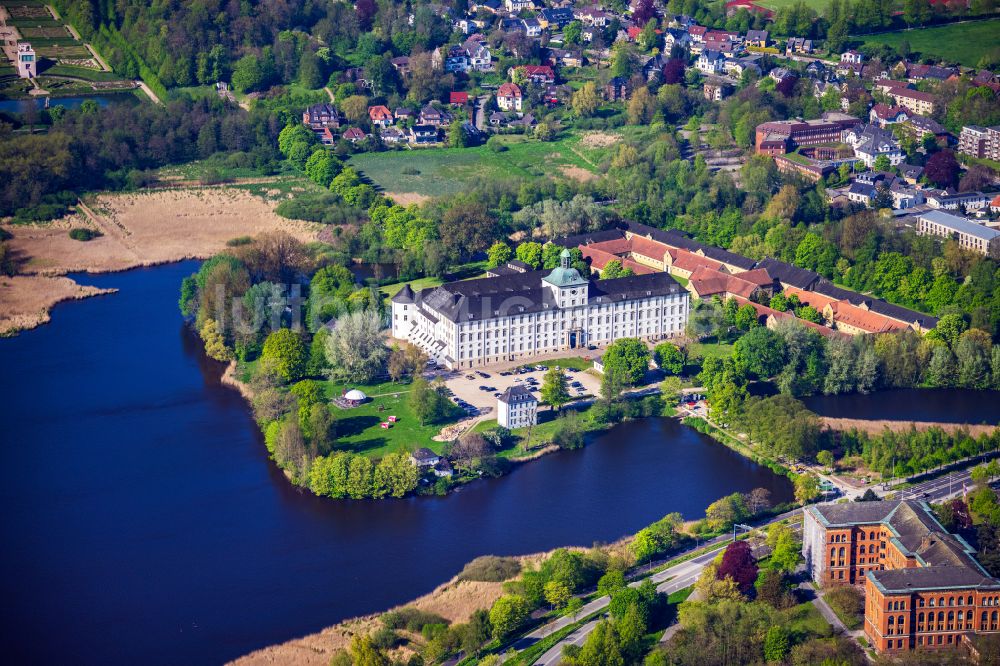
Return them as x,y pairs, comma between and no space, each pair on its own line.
466,384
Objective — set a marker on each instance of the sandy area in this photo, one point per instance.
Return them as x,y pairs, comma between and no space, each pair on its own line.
25,300
140,229
407,198
877,426
454,601
577,173
599,139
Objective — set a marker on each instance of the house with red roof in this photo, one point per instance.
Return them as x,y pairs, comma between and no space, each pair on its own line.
354,134
537,74
509,97
458,98
380,116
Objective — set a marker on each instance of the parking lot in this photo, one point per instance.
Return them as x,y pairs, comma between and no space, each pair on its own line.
479,388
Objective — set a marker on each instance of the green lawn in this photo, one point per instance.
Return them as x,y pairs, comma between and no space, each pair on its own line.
468,271
443,171
358,429
819,5
964,43
710,350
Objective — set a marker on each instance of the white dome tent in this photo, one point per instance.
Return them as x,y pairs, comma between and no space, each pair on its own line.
354,395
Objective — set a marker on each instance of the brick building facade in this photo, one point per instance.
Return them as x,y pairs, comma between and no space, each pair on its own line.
923,587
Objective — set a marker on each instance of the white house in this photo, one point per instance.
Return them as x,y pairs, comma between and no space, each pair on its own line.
711,62
27,63
509,97
517,407
870,142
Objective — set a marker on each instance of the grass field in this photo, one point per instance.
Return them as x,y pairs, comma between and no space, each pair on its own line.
964,43
358,429
819,6
442,171
710,350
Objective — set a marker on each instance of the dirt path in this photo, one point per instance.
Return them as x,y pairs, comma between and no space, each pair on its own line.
875,427
146,89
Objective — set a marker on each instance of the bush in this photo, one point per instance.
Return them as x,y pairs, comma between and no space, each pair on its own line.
848,603
410,171
83,234
490,569
496,145
238,241
411,619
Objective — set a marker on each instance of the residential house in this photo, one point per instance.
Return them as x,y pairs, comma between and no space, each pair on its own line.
883,115
401,65
697,33
318,116
423,134
736,67
862,193
458,98
380,116
922,126
403,114
424,457
617,89
711,62
552,18
653,67
392,135
566,57
480,58
591,17
532,27
853,57
715,90
509,97
796,45
354,134
517,6
911,173
871,142
517,407
430,115
673,37
537,74
949,199
757,38
327,137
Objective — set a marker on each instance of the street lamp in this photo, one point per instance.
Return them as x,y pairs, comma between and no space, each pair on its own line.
742,527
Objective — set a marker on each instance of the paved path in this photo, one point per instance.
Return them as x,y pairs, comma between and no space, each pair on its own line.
146,89
668,581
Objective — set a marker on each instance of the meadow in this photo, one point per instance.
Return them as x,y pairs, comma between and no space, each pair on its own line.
819,6
437,172
963,43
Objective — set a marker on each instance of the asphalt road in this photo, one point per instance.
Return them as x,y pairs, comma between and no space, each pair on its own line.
668,581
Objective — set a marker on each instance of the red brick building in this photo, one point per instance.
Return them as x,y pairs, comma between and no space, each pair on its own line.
923,587
783,136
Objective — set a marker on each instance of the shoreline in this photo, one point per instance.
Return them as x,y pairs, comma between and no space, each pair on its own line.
140,229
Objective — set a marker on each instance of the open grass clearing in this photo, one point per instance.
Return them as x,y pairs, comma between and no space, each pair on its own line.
964,43
710,350
359,429
438,172
820,6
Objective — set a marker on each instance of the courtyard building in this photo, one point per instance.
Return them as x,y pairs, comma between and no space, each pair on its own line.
923,587
520,315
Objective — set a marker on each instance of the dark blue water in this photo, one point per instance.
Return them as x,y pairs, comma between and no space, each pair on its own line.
143,523
22,105
940,405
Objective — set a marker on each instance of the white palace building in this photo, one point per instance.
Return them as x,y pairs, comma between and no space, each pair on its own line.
518,313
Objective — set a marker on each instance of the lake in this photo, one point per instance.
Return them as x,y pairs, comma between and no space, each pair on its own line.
940,405
143,522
